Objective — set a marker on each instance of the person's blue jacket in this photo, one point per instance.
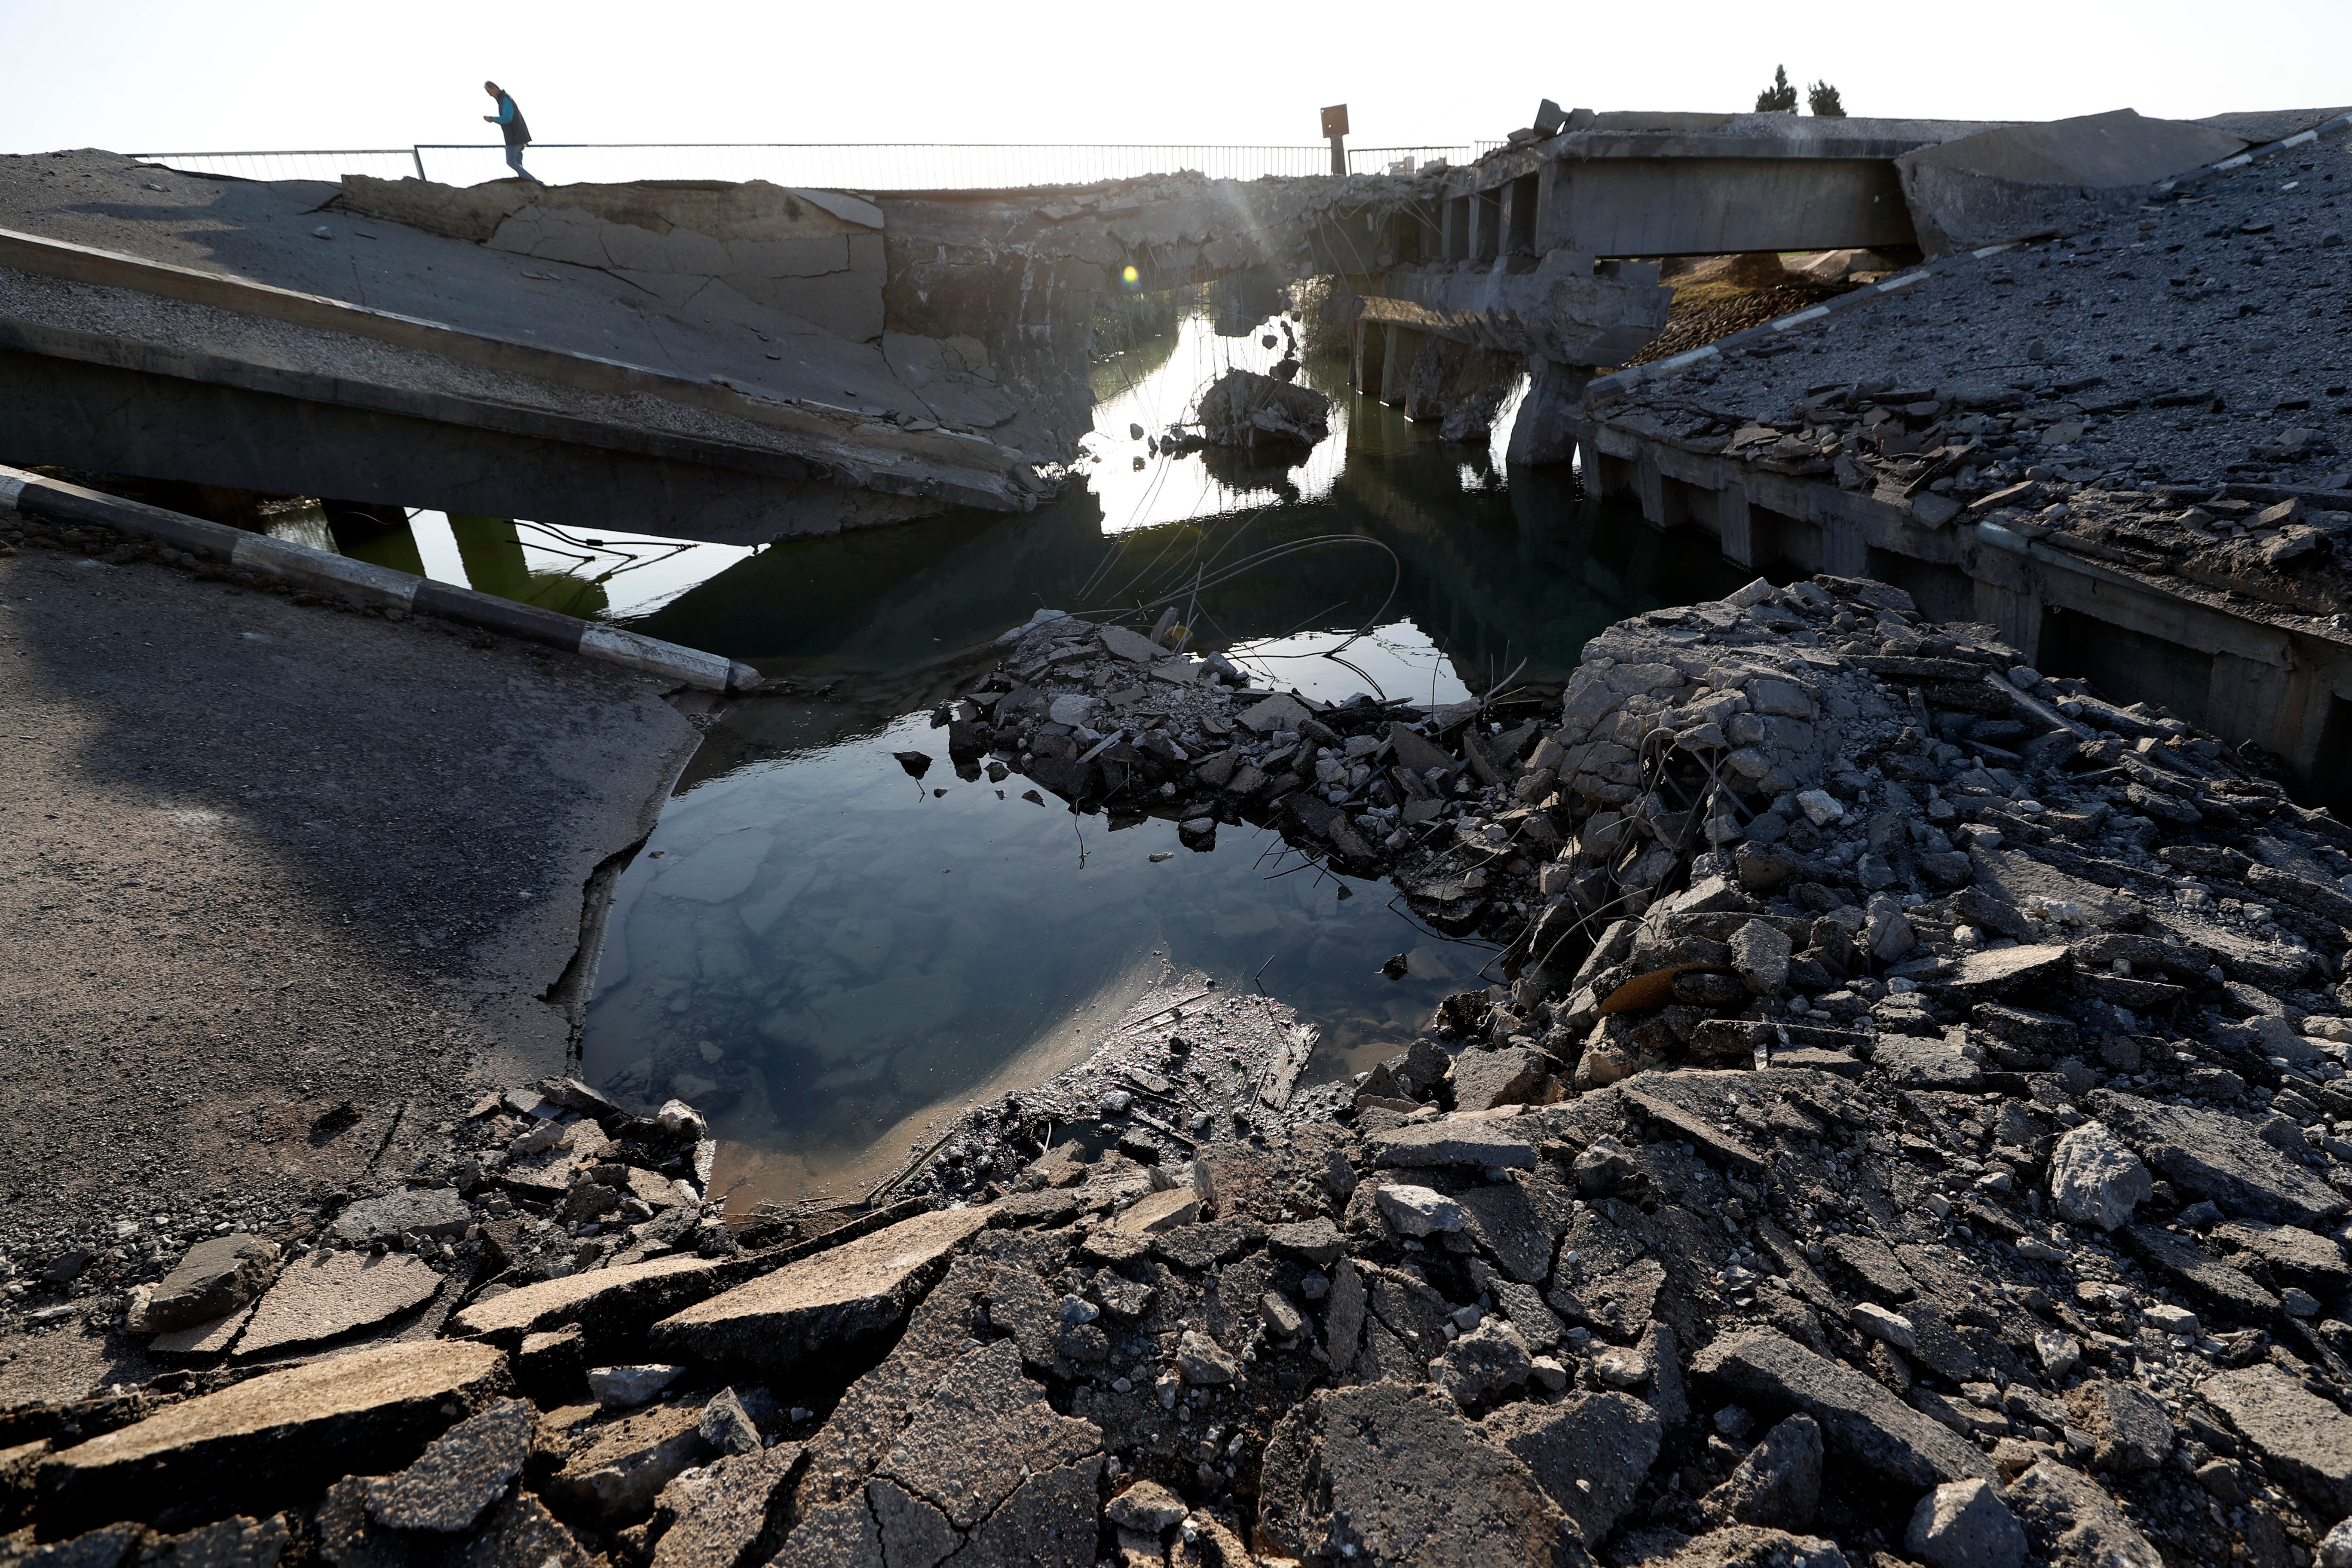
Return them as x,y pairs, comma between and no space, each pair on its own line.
511,124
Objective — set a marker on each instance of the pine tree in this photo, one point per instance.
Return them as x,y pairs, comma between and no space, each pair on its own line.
1824,100
1780,98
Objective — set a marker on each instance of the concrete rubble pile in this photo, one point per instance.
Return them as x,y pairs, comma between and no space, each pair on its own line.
1916,1132
2191,439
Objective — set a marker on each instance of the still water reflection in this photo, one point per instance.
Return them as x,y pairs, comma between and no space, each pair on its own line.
826,952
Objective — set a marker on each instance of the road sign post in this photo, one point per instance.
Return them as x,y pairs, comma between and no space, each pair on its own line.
1335,126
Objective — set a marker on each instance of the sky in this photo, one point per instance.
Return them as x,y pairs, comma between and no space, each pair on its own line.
151,75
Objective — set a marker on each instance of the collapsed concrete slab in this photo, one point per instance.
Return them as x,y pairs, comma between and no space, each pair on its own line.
2023,181
1567,307
2306,1437
327,1295
1390,1475
1856,1416
276,1438
834,1299
607,1304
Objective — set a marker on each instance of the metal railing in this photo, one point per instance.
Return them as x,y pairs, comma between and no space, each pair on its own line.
855,166
330,164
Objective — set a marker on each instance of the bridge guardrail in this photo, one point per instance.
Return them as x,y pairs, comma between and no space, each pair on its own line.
855,166
363,583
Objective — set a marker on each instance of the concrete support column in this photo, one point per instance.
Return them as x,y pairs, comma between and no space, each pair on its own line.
1457,227
1371,352
1650,489
1487,226
1734,525
1844,552
1436,376
1549,416
1396,363
2270,705
2012,610
1523,199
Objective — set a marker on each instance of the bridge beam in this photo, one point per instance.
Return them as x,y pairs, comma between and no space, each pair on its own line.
1712,206
1396,361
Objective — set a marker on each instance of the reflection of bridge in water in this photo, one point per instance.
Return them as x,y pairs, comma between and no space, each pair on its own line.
1493,576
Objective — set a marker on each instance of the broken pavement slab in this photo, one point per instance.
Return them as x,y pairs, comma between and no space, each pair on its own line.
2308,1438
985,1430
323,1296
2209,1154
460,1474
604,1303
780,1320
2211,1281
1656,1095
1590,1453
428,1211
1390,1476
201,1342
2009,970
1505,1142
213,1279
718,1511
276,1438
619,1467
2070,1519
1855,1415
1156,1213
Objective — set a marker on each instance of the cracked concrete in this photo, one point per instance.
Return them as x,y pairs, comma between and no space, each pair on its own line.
263,860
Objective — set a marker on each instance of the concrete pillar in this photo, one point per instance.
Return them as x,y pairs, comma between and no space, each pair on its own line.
2268,704
1650,489
1396,363
1844,552
1522,200
491,552
1435,382
1549,416
1605,478
1734,524
2014,612
1487,226
1371,346
1457,228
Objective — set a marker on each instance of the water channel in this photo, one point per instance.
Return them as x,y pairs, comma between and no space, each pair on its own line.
826,953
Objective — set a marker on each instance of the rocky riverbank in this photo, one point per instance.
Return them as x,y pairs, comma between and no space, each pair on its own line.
1915,1131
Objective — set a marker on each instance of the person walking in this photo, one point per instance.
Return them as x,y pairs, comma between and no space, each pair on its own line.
509,120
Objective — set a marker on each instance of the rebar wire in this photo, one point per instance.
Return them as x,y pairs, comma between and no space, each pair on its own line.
667,550
1282,552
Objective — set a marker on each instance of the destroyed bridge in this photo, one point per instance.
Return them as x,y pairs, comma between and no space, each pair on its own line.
742,363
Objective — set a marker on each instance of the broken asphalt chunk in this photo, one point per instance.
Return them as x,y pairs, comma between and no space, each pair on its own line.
1857,1417
780,1320
276,1438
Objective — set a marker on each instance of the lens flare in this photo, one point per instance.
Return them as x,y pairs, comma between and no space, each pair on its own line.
1131,277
